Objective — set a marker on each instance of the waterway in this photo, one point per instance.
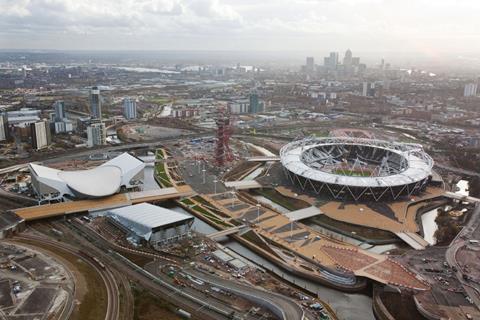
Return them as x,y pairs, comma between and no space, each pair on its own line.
346,305
428,218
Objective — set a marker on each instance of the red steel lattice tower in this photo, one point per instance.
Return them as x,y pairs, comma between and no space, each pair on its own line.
224,131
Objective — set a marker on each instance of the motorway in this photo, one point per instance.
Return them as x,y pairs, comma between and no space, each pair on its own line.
468,232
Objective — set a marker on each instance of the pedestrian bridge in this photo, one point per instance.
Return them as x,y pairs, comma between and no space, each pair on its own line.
263,159
226,232
243,184
413,240
305,213
115,201
461,197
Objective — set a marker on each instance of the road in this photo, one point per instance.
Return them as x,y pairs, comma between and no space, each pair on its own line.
290,309
467,232
457,170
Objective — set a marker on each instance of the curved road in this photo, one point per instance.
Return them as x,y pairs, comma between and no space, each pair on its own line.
289,308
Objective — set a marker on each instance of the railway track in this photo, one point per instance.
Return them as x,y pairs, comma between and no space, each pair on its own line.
105,273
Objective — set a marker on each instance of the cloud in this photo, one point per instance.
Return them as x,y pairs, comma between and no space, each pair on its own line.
238,24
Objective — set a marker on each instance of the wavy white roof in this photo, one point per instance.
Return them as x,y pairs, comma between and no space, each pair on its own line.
98,182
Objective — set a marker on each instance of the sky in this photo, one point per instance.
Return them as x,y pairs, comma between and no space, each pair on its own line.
429,27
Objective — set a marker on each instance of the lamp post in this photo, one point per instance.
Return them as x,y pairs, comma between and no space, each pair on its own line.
215,185
233,198
291,229
258,212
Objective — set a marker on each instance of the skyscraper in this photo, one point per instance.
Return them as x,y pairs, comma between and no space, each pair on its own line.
96,134
95,103
59,110
254,105
347,60
129,108
310,65
333,60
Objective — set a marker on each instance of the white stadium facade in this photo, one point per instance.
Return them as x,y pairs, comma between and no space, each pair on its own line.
355,168
123,171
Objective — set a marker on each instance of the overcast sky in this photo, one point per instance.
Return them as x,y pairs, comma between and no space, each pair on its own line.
430,27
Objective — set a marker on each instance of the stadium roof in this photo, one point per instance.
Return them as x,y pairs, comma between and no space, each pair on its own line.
418,168
144,218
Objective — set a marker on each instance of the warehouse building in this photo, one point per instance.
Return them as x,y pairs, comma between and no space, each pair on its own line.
153,224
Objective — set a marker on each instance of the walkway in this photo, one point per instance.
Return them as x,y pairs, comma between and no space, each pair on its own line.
305,213
314,245
115,201
226,232
243,184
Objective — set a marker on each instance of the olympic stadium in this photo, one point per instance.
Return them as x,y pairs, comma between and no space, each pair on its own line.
356,168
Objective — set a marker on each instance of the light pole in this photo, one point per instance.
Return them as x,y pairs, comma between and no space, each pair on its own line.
258,212
203,171
215,185
291,229
233,199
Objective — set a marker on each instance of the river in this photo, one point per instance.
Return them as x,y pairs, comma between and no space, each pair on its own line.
346,305
428,218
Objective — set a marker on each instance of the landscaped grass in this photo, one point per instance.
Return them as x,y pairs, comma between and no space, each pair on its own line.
160,173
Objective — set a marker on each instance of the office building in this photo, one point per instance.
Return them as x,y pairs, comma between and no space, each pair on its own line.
95,103
368,89
96,134
254,103
59,111
310,65
63,126
129,108
347,60
331,61
40,134
470,90
239,106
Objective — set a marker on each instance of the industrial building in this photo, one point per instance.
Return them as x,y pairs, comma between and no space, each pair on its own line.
124,171
153,224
